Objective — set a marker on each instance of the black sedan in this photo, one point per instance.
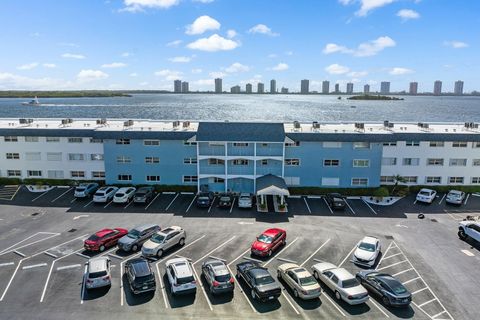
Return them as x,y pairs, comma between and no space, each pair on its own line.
204,199
391,291
262,285
225,200
335,201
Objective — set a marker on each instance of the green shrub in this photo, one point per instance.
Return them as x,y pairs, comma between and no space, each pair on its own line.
381,192
321,191
8,181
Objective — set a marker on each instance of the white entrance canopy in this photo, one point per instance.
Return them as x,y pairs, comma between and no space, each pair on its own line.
271,185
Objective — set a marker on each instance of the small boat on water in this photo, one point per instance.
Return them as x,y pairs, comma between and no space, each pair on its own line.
33,102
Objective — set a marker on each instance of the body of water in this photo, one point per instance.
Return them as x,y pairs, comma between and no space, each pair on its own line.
249,107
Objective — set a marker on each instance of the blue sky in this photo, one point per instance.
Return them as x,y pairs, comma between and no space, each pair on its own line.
146,44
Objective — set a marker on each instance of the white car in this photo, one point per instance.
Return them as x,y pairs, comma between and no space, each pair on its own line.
124,195
302,283
469,229
455,197
367,251
163,240
180,276
426,195
342,282
245,200
98,273
104,194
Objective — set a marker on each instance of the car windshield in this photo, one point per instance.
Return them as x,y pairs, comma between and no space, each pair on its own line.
185,280
245,198
308,281
264,280
225,199
158,238
80,189
454,195
223,278
93,237
397,287
98,274
119,195
139,194
367,246
265,238
100,194
134,234
350,283
143,279
425,193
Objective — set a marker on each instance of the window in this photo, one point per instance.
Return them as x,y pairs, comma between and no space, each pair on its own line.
330,181
34,173
412,143
437,143
217,180
152,160
190,160
331,163
151,142
153,178
387,179
476,162
75,140
77,174
455,180
458,162
96,156
292,144
122,141
12,156
332,144
94,140
10,139
124,177
360,182
215,162
264,162
476,144
54,156
264,145
33,156
240,162
190,179
459,144
389,161
475,180
292,181
390,144
52,139
433,179
31,139
411,161
76,156
361,145
410,179
98,174
124,159
189,143
434,162
292,162
361,163
14,173
240,144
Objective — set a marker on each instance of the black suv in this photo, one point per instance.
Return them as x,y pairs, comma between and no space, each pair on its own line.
262,285
144,195
204,199
225,200
335,201
140,275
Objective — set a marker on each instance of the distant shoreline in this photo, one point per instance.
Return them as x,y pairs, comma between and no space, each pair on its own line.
63,94
374,98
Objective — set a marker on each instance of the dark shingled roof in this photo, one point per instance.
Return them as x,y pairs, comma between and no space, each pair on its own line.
240,131
270,180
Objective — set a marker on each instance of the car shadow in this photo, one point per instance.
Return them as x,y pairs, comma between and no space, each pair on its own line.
178,301
474,244
309,304
261,307
135,299
400,312
93,294
216,299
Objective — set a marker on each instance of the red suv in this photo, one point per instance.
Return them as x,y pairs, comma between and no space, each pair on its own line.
269,241
103,239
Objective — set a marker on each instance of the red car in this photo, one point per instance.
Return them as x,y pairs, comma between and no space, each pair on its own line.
104,239
269,241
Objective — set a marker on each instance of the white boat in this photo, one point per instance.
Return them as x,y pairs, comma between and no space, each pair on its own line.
33,102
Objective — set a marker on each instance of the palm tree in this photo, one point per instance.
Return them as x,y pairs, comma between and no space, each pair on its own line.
398,179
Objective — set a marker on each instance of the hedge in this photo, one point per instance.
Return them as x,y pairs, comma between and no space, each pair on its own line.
400,190
343,191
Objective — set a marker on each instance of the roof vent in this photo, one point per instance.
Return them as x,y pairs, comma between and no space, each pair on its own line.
296,125
186,124
128,123
386,123
176,124
101,121
65,122
471,125
360,125
25,121
315,125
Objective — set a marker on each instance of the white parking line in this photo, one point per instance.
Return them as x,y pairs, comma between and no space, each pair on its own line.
83,284
168,192
369,207
348,255
168,207
466,199
415,202
158,194
233,203
353,211
440,313
162,287
19,253
290,302
72,266
31,243
331,211
44,264
391,265
426,302
221,245
314,253
190,204
306,203
211,205
443,197
62,195
7,264
43,193
379,308
243,253
411,280
391,256
82,255
50,254
89,203
108,204
128,205
468,253
419,290
324,295
401,272
74,199
199,281
286,247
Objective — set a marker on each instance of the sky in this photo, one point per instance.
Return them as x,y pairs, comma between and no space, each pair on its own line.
146,44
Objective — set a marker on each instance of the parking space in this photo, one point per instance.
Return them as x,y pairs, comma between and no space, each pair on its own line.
8,192
297,205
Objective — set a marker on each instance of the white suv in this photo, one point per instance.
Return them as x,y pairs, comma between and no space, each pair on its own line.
180,276
104,194
469,229
98,273
124,195
164,240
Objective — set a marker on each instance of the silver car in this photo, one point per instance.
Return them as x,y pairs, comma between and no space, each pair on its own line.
164,240
98,273
455,197
137,236
340,281
245,200
302,283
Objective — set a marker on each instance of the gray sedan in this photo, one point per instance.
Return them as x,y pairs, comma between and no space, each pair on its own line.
137,236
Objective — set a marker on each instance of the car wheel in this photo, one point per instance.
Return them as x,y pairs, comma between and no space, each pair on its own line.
461,234
315,275
337,295
102,248
135,247
159,253
279,274
181,242
295,293
386,301
252,293
269,253
237,275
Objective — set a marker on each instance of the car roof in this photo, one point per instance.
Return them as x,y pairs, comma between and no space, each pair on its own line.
426,190
97,264
124,189
144,226
140,267
455,191
295,268
324,266
272,231
259,272
145,188
219,267
369,239
169,230
342,274
245,194
103,232
181,267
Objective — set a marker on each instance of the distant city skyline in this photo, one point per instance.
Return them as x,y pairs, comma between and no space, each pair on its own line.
139,44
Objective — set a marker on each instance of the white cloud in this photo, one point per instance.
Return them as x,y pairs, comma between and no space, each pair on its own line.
369,5
174,43
263,29
217,74
455,44
237,67
114,65
12,81
87,75
272,55
203,1
204,82
397,71
49,65
231,33
133,74
126,54
180,59
169,74
365,49
337,69
213,43
289,53
73,56
197,70
28,66
140,5
280,67
358,74
407,14
202,24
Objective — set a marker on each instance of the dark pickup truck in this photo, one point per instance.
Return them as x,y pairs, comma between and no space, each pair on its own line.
262,285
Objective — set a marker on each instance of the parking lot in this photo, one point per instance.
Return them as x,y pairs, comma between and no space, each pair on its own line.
42,260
